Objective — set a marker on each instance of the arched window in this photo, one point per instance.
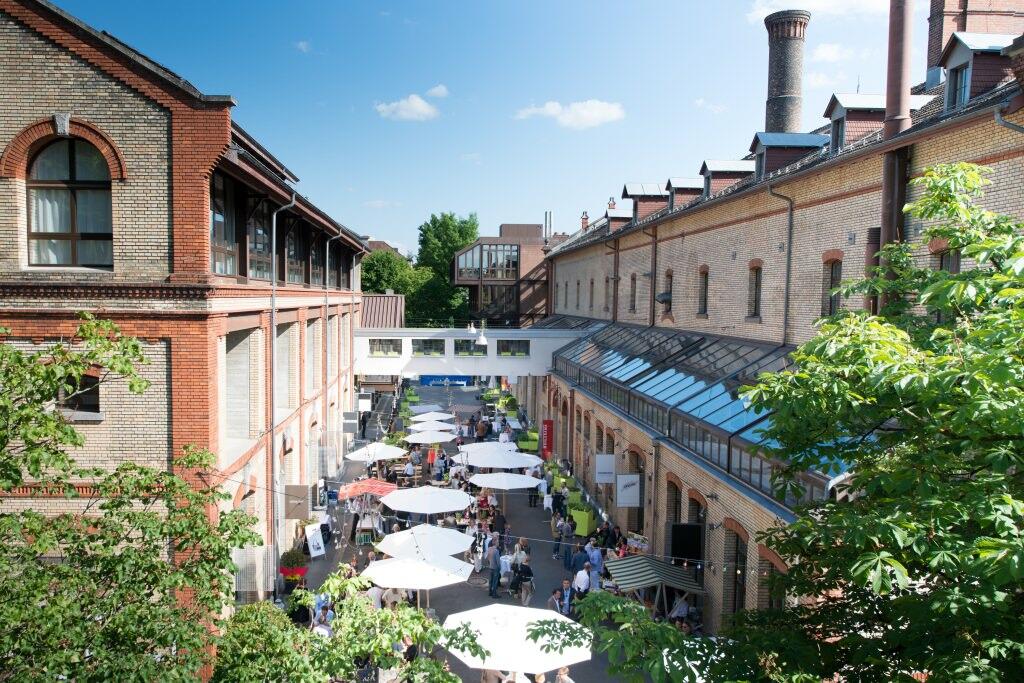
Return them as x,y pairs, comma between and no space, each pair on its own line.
754,290
702,291
632,292
70,221
832,277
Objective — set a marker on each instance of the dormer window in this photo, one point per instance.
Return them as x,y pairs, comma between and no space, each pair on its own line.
759,165
838,135
957,87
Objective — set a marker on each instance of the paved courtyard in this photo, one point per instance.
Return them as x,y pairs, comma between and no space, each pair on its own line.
524,521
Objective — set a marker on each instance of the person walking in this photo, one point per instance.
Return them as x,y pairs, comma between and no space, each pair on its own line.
556,533
581,584
554,602
525,575
568,538
596,555
493,560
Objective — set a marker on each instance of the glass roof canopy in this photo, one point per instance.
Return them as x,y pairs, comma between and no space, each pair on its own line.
676,372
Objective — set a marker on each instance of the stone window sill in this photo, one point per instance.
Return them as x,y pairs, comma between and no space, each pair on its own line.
82,416
702,316
752,319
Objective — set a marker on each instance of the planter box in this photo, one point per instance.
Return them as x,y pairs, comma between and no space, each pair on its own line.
585,522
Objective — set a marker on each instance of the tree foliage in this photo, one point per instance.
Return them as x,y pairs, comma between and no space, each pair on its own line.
128,583
383,270
260,646
921,571
437,300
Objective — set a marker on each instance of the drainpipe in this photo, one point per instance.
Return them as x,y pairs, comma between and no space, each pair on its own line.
897,120
275,474
654,269
789,261
615,283
1003,122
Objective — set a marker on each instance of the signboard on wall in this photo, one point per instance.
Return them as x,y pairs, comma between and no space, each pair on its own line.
365,405
627,490
547,438
604,472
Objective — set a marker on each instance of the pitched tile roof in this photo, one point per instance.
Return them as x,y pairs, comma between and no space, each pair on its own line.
383,310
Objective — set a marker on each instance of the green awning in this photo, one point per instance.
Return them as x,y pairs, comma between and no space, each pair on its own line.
643,571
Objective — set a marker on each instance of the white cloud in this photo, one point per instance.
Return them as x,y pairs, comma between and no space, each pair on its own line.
701,103
303,46
577,115
411,108
818,79
830,53
439,90
472,157
759,9
381,204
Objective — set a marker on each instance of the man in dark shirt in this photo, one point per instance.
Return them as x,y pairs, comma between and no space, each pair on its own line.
579,558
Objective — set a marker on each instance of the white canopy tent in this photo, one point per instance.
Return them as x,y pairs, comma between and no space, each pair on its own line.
502,460
432,415
430,437
488,446
431,425
425,541
376,451
503,631
427,500
504,481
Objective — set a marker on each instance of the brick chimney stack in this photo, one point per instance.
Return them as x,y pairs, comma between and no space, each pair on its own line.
786,32
584,222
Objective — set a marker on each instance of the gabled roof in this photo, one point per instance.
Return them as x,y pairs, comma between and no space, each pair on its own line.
630,190
809,140
685,184
139,59
868,102
977,42
727,166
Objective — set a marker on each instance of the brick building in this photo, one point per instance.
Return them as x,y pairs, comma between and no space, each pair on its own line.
706,290
127,192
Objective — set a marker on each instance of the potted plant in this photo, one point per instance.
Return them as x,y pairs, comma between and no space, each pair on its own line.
574,497
584,518
294,565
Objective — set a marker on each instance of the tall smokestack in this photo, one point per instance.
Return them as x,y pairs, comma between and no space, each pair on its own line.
786,32
897,80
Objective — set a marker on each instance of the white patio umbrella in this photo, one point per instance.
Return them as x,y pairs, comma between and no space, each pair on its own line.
502,460
418,574
376,451
432,415
424,408
489,446
434,436
503,632
504,481
427,500
425,541
431,425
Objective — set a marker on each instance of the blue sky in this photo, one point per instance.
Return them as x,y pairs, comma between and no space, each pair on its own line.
389,111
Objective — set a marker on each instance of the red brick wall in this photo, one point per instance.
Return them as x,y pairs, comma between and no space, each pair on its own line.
722,180
778,157
861,123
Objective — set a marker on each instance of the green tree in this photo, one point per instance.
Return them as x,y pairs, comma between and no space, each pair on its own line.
384,270
919,566
129,583
440,237
260,646
437,300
